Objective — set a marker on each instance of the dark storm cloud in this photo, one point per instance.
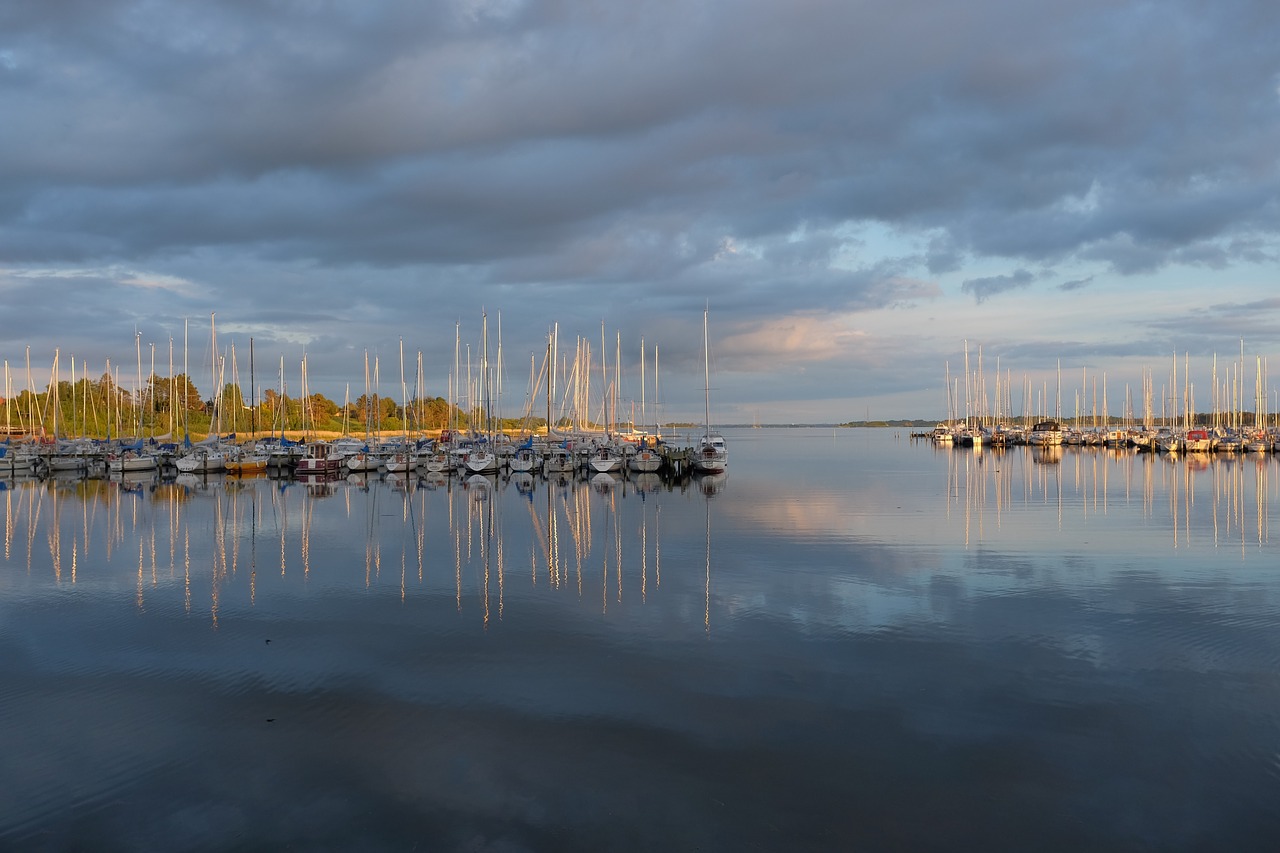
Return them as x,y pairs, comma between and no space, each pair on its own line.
523,117
567,157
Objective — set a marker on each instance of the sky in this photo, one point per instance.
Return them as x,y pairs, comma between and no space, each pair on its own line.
855,194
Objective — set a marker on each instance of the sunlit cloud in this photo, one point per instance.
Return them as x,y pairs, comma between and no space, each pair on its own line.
157,281
794,341
110,274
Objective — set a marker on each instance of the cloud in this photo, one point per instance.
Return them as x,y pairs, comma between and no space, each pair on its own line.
984,288
1076,284
631,161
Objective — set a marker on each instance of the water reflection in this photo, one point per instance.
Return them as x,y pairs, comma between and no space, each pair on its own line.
1215,499
207,537
904,648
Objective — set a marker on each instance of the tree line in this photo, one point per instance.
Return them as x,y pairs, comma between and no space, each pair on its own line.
101,408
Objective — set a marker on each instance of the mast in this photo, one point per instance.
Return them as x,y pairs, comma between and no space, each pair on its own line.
186,375
137,345
617,382
377,398
657,393
55,395
368,401
706,369
644,419
484,375
31,400
253,396
404,403
213,369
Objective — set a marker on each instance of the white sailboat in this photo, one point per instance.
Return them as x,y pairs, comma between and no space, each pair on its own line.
646,459
711,455
207,456
133,457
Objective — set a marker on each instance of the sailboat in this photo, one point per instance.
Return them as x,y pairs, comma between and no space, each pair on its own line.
132,457
711,456
479,456
646,459
207,456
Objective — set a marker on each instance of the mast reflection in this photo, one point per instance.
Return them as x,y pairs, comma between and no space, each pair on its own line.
1223,498
595,539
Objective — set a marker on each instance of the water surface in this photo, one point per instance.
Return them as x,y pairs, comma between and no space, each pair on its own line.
849,641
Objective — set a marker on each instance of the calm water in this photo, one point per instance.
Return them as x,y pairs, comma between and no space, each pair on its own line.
851,641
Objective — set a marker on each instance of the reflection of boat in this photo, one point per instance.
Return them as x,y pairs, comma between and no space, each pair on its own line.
647,482
604,481
477,485
137,477
435,479
403,481
196,482
560,479
523,481
319,485
712,484
135,482
1047,454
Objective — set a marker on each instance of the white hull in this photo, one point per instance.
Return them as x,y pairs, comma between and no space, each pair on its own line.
363,461
559,462
67,463
143,462
711,456
200,462
479,462
645,462
436,463
711,465
523,461
401,463
18,463
604,461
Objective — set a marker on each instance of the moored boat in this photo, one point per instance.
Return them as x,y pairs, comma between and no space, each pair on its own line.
318,457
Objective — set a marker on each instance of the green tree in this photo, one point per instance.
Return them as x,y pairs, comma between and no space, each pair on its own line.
173,394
